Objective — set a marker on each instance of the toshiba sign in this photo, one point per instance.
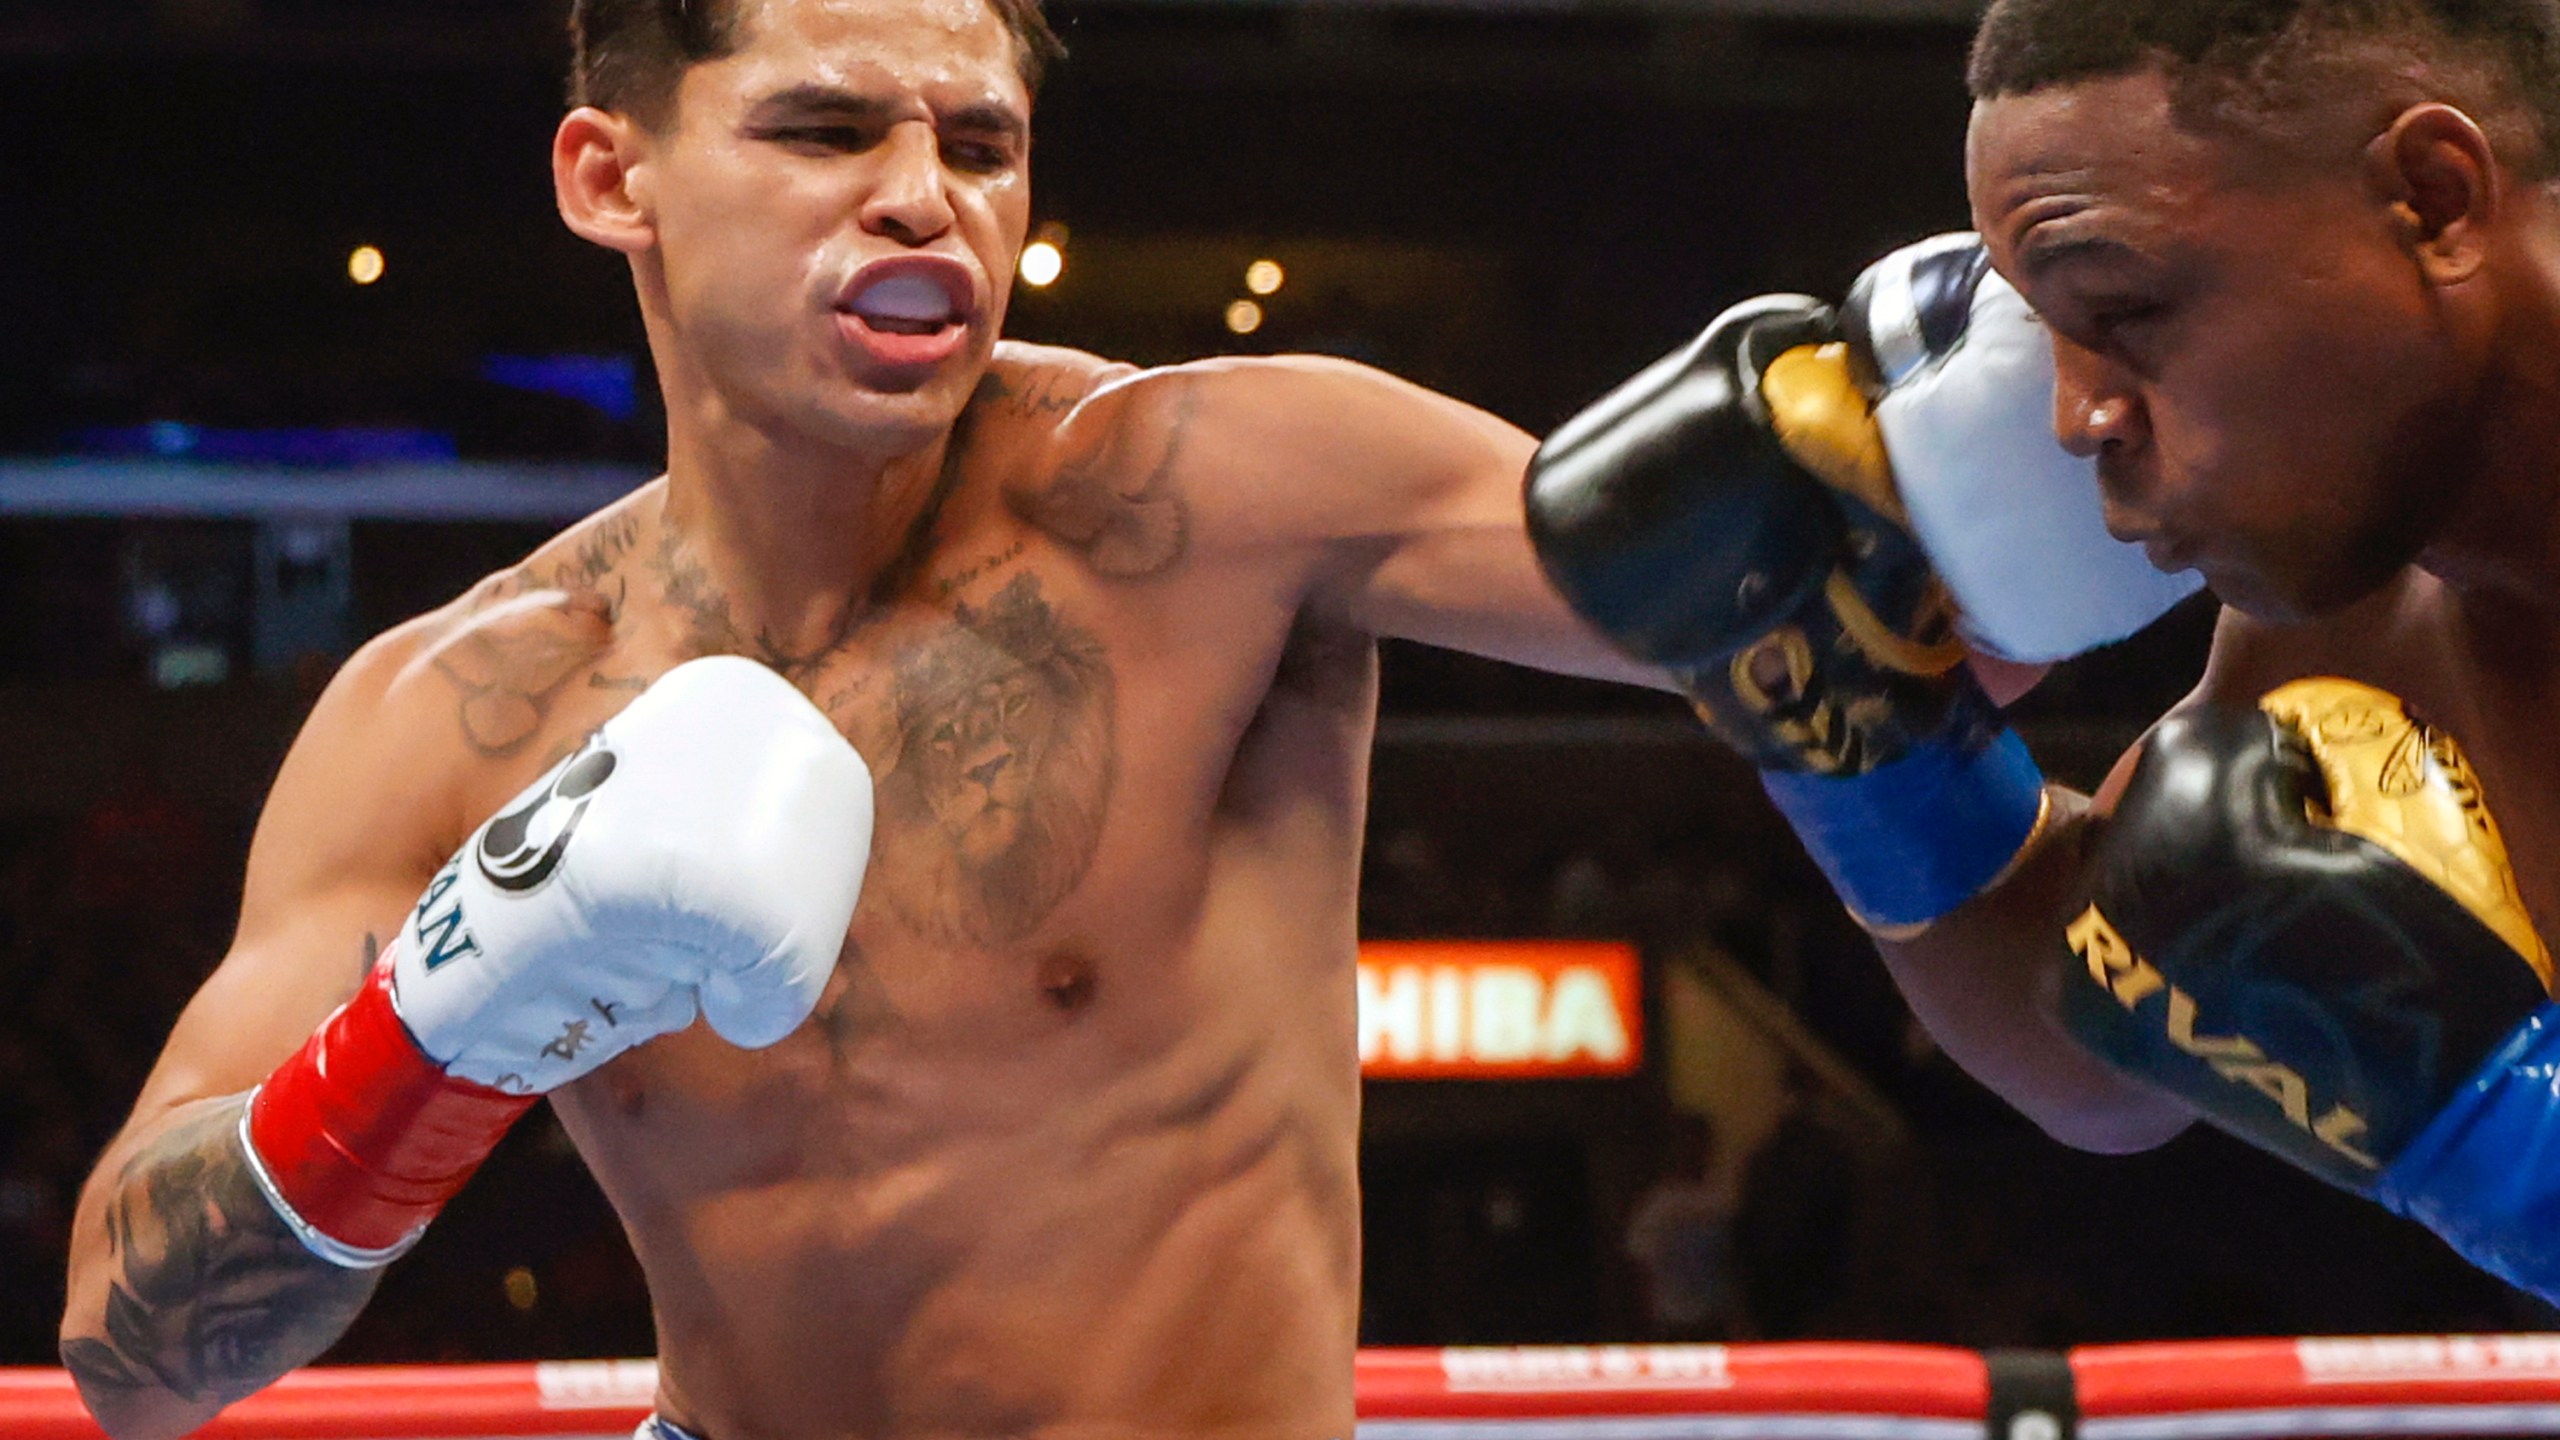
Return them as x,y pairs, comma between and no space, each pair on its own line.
1494,1010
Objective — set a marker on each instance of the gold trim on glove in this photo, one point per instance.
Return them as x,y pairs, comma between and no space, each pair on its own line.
1827,425
1881,643
2406,786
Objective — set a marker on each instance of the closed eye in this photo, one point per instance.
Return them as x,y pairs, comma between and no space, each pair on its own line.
842,138
2119,317
977,155
2125,329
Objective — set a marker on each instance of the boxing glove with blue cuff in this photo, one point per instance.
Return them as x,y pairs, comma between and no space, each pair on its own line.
2303,922
1683,517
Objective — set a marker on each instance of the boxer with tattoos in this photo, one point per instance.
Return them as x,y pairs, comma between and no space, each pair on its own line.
1052,1128
913,842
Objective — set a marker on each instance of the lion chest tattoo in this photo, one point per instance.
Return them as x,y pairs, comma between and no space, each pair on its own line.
993,806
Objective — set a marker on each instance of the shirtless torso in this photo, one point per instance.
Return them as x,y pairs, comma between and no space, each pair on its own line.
1072,1134
1069,1146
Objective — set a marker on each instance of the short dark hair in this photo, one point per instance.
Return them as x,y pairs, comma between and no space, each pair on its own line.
2257,57
629,55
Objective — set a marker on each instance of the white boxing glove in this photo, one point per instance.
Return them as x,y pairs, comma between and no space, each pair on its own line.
2012,521
701,854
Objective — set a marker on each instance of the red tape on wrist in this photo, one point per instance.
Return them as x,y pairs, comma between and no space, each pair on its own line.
364,1135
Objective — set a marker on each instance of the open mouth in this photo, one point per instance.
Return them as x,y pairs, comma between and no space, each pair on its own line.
905,305
908,311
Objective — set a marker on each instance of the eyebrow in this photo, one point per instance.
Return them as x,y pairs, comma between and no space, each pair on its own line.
810,101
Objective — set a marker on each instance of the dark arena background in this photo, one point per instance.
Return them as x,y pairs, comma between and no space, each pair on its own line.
292,346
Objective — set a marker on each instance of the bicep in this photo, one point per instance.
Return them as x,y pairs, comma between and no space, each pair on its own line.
1985,981
1455,569
271,992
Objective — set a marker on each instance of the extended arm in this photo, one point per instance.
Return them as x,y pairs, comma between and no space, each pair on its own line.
1402,507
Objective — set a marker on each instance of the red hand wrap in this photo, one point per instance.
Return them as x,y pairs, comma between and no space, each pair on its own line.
363,1134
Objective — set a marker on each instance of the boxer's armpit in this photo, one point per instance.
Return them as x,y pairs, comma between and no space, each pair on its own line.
368,955
209,1297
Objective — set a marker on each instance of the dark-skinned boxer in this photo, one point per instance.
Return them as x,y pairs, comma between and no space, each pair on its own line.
2291,912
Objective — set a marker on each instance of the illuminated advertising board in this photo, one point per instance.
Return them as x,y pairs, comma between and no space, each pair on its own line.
1500,1010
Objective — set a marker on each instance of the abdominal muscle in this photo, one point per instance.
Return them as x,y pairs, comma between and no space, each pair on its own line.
965,1205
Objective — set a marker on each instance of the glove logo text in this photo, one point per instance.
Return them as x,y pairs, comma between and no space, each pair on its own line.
443,938
2121,972
519,850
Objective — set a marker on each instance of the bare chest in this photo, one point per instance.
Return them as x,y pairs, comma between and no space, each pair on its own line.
1053,751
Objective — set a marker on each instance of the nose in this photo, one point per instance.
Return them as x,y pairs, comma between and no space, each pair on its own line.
2095,409
908,201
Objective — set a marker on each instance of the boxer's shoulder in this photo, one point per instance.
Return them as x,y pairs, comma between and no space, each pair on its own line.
1275,456
1238,408
512,662
1093,454
461,705
378,770
1031,393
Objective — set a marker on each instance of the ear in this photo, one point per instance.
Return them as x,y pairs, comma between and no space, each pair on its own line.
2442,179
599,174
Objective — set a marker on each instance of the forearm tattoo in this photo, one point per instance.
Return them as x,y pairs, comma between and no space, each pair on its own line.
212,1297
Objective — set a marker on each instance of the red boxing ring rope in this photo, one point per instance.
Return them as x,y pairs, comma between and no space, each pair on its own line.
2435,1385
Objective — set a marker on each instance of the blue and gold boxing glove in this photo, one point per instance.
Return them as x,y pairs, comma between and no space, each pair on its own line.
2303,922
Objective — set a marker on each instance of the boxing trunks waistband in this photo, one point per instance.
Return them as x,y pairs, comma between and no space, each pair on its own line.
654,1428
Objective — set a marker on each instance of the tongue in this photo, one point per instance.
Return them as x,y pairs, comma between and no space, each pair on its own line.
904,305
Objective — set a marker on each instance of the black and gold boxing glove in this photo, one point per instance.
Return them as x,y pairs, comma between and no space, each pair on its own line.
1729,515
2303,922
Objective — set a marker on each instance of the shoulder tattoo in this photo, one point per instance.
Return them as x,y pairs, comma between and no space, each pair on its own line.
1118,504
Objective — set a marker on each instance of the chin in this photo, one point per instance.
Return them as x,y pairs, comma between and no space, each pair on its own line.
902,419
2293,599
2246,594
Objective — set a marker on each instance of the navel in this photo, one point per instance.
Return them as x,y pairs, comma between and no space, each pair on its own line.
1068,982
